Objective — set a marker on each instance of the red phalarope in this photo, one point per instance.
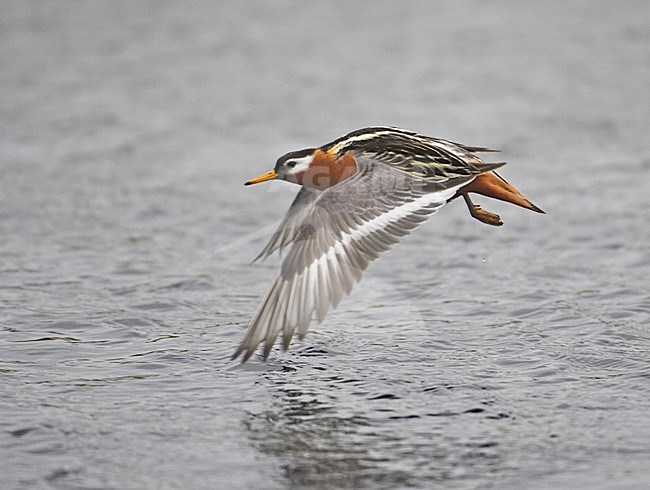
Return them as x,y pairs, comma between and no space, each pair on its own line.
360,194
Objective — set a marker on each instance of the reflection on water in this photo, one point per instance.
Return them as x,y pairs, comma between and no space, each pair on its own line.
340,432
305,430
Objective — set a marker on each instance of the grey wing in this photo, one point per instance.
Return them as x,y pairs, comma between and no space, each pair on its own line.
346,227
290,226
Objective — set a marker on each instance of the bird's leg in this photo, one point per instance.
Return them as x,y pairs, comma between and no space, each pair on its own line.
481,214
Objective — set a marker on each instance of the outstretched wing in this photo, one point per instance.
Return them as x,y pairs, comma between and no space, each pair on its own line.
335,235
292,222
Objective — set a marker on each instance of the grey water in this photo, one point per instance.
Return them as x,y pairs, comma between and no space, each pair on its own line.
468,357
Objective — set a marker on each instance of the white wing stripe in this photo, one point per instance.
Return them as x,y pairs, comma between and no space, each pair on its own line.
326,272
395,214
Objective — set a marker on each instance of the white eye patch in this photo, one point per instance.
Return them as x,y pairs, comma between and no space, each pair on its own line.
296,165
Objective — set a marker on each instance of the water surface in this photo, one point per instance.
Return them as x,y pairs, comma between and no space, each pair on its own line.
468,357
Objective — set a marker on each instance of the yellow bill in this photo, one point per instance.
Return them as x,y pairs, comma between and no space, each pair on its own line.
270,175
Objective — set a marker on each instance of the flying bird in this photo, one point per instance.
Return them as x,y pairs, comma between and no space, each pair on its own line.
360,194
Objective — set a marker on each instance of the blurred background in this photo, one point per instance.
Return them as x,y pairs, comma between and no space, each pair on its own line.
468,357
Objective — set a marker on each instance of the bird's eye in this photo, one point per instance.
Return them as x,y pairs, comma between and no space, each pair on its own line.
291,163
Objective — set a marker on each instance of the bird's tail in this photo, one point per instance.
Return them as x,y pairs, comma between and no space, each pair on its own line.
492,185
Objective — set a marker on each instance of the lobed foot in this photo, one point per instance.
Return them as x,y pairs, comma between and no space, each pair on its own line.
485,216
481,214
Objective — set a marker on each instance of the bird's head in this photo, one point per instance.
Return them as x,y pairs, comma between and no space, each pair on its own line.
290,167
